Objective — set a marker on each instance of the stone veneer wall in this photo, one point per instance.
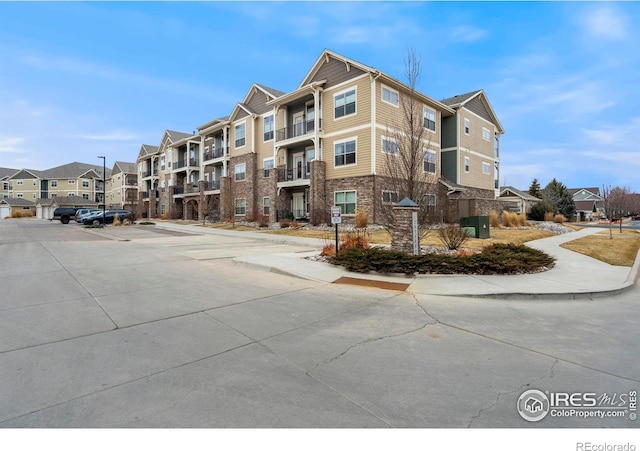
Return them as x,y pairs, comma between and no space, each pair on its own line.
402,234
266,187
364,187
247,188
319,209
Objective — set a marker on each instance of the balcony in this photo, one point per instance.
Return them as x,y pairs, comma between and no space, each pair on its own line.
178,190
298,130
213,185
292,175
215,153
191,162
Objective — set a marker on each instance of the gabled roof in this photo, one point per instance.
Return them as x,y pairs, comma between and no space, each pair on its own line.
146,150
177,136
587,205
213,123
124,167
461,100
16,202
511,191
324,56
272,92
585,191
7,172
241,106
27,174
75,170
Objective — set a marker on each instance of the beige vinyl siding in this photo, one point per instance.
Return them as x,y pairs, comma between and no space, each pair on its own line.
475,178
362,116
363,155
381,156
477,149
248,135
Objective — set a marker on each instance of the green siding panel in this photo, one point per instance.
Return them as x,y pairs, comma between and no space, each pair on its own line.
450,165
449,132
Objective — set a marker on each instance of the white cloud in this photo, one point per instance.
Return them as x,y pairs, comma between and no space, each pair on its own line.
10,145
465,33
605,23
625,135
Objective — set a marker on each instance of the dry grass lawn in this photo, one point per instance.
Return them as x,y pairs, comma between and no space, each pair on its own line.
516,236
619,251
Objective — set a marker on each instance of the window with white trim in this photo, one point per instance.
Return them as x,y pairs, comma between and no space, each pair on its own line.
71,194
429,115
346,200
20,195
85,183
35,183
467,126
345,153
86,196
486,134
389,197
240,134
389,145
241,207
19,182
486,168
268,164
429,202
390,95
429,161
268,125
344,103
467,164
266,205
34,195
71,182
240,172
54,183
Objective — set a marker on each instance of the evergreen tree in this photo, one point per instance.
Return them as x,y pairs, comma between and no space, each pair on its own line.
534,189
559,196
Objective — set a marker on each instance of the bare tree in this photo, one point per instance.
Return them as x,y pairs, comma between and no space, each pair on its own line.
409,159
617,203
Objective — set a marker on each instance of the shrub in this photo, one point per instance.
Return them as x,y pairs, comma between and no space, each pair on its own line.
263,222
295,224
362,218
116,220
559,219
522,220
548,216
285,223
453,236
494,259
509,219
22,214
165,215
494,219
353,239
328,250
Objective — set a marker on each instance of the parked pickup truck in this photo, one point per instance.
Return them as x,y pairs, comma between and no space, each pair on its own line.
64,214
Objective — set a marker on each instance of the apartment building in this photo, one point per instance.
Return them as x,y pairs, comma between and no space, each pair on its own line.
5,174
73,179
298,153
122,186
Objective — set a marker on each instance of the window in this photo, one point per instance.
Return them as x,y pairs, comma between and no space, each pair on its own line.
268,127
390,95
345,153
467,125
268,165
429,161
429,119
54,183
266,204
389,145
85,183
486,134
389,197
86,196
346,200
241,207
20,195
54,195
429,202
345,103
240,134
35,183
486,168
310,155
71,182
34,195
467,164
162,164
71,194
240,171
19,182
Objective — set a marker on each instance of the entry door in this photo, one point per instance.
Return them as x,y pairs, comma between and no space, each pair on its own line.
298,124
298,166
298,205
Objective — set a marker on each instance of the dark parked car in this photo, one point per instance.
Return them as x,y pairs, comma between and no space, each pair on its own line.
64,214
109,217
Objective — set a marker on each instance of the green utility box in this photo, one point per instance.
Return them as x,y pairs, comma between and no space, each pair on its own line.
479,223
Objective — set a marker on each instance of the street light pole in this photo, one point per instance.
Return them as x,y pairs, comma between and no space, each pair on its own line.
104,189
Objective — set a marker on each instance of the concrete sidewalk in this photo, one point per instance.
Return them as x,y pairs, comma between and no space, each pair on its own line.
573,276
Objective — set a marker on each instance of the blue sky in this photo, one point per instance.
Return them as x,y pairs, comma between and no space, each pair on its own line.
78,80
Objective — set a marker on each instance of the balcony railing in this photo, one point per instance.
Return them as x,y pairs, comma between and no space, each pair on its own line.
178,190
293,131
212,185
290,174
218,152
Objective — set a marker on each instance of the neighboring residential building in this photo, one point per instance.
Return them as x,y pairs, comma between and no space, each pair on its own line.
589,203
122,186
296,154
5,185
73,179
9,206
517,201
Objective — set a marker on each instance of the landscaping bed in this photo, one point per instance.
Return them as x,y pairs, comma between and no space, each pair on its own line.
494,259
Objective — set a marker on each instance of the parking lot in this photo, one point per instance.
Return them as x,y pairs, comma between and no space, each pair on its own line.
143,327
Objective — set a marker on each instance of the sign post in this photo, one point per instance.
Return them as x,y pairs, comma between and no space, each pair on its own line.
336,219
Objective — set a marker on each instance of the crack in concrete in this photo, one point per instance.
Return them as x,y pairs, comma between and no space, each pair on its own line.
516,391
